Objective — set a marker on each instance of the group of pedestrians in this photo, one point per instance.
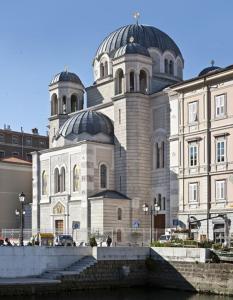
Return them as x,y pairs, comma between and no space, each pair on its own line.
5,242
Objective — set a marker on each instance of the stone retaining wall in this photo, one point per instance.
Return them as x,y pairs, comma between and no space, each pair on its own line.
199,277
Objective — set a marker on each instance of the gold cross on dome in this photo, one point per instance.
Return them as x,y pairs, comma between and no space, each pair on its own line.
136,16
212,62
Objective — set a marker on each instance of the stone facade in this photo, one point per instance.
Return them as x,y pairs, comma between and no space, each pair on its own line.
128,89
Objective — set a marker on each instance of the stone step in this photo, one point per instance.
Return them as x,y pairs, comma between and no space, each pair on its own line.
75,269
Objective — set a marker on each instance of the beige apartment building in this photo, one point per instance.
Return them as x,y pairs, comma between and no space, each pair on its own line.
201,153
15,177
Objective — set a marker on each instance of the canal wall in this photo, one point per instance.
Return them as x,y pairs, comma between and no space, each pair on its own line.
33,261
184,269
197,277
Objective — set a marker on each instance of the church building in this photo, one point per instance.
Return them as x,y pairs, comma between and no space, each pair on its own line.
108,160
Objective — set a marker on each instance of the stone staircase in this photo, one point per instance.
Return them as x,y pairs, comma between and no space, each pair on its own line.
73,270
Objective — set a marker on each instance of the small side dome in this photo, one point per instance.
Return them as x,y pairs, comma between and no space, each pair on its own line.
66,76
87,125
132,48
208,70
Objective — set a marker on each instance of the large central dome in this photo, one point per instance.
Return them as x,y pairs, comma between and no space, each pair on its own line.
146,36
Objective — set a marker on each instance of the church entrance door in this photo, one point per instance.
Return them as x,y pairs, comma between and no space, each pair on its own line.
159,225
59,226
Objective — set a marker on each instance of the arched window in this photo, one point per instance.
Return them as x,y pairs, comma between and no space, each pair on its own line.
63,180
106,69
143,81
56,181
119,82
171,67
166,66
54,105
101,70
119,214
103,176
74,104
76,178
44,183
131,81
64,104
118,235
160,155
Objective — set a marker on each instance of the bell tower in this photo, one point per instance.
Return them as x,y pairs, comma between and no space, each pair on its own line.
66,97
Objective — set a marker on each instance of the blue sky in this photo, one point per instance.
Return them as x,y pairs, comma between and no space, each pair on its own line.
39,38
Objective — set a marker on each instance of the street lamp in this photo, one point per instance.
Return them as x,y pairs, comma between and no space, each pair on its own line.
154,209
21,214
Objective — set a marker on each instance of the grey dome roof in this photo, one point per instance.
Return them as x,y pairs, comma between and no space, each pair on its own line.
146,36
66,76
208,70
131,48
90,122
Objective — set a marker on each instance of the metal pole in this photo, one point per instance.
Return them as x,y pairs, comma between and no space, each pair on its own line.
151,214
21,225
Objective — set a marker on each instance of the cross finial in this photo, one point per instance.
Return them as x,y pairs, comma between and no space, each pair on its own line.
66,68
136,16
212,62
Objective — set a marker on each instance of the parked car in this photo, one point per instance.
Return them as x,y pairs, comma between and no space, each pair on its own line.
64,240
164,238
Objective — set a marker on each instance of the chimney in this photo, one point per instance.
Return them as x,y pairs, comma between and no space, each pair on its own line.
35,131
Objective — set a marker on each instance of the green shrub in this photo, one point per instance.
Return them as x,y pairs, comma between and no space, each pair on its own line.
217,246
205,244
92,241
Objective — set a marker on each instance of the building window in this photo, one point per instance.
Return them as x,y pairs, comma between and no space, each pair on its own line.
101,70
220,105
143,82
164,204
120,183
119,82
119,116
54,105
63,180
2,154
119,214
15,139
2,138
166,66
28,141
106,69
220,150
220,190
193,112
131,81
118,235
159,201
159,155
44,183
42,143
56,181
29,156
74,103
15,154
193,192
76,178
103,176
192,154
171,67
64,104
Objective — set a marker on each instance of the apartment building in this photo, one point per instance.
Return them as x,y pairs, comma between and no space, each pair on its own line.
20,144
201,153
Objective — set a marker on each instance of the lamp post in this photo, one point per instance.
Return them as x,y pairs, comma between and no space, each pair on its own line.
21,214
152,210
